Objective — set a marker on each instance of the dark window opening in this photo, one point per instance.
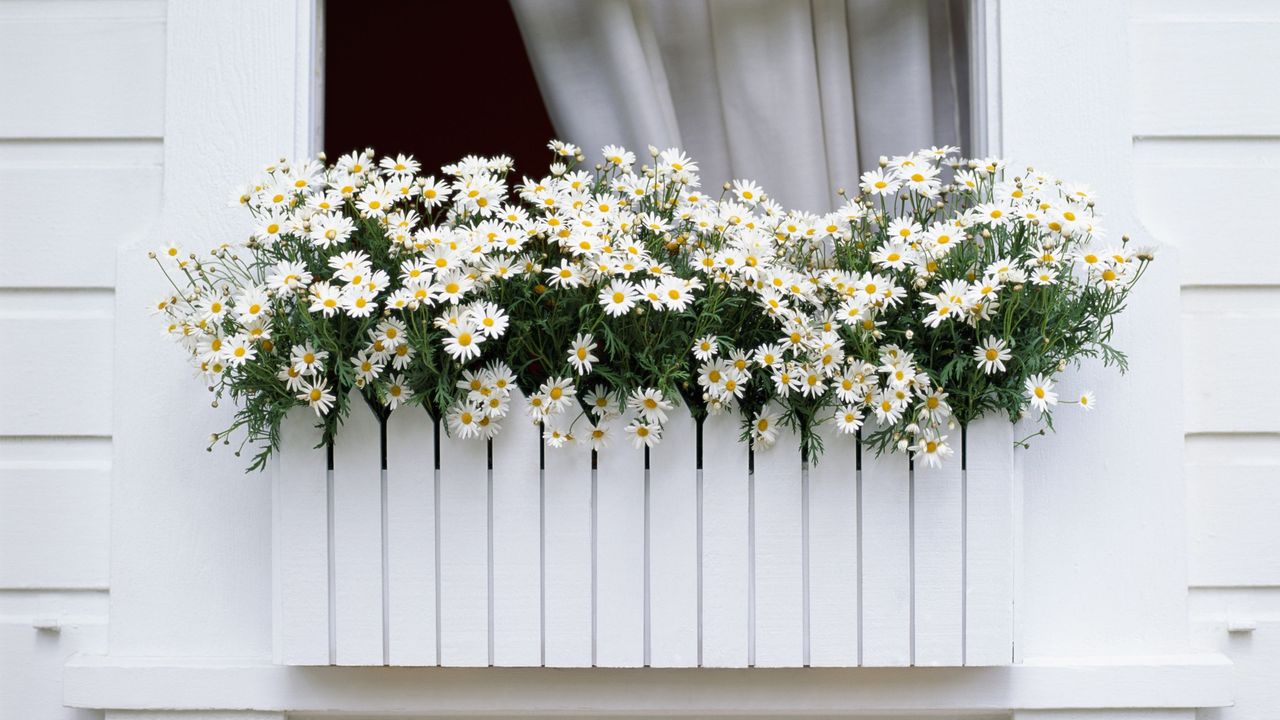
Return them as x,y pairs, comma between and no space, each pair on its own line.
461,84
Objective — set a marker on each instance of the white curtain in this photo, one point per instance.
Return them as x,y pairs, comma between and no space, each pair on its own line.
799,95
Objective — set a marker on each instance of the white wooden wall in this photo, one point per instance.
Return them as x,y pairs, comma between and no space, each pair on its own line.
1207,154
81,120
1143,92
456,553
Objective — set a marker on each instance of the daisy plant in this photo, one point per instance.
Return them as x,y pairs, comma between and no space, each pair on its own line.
610,294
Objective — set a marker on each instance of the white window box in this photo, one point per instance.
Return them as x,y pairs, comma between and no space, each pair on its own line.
455,555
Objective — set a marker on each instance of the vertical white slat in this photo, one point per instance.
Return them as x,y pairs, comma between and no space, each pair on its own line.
779,564
673,544
989,541
517,623
411,553
464,556
833,551
886,560
724,543
301,537
619,559
357,537
939,562
567,565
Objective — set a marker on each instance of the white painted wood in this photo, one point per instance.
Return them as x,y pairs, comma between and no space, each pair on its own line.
31,663
567,561
989,541
1214,403
108,71
1194,10
1127,594
171,501
886,560
939,561
300,535
779,589
1255,653
77,398
596,590
126,177
673,544
1171,681
357,538
1233,535
215,715
724,544
54,524
1205,77
833,551
464,562
619,558
1168,172
517,572
411,543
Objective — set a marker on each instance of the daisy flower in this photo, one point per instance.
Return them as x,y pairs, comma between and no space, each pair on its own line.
600,402
566,275
325,298
992,354
764,429
366,368
240,349
650,404
396,392
292,379
464,420
747,191
399,165
559,393
490,319
307,360
676,294
877,182
931,449
619,156
706,347
463,343
1040,392
580,353
1087,400
317,396
288,276
848,419
555,436
643,434
599,436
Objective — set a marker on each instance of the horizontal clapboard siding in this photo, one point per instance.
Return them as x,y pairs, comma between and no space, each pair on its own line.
81,125
1207,119
63,243
108,71
1195,195
452,552
1206,76
1235,540
56,373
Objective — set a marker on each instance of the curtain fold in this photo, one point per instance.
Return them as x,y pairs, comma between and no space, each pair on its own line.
799,95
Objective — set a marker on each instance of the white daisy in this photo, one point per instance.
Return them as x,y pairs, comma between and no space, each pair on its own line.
1040,392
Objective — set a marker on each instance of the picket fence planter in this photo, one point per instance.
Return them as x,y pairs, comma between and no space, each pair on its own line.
465,553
